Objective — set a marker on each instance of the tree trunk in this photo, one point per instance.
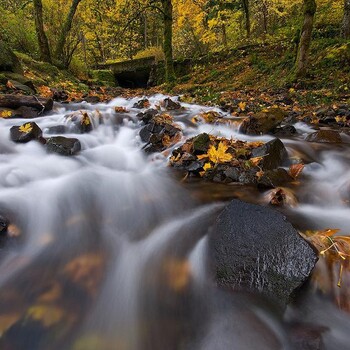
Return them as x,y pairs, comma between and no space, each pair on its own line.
305,38
345,29
246,10
67,26
168,40
39,27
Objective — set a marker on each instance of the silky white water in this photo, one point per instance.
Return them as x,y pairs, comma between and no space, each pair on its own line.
142,235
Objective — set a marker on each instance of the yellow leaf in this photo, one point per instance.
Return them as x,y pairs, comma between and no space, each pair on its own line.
86,119
242,106
6,114
26,128
207,166
219,155
48,315
255,161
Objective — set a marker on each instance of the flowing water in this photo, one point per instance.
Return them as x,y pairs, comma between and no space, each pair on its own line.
110,247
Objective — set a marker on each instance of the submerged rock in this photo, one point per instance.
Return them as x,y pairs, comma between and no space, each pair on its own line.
63,145
80,121
25,133
254,248
324,136
274,178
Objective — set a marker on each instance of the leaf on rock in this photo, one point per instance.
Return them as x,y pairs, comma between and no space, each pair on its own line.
48,315
86,119
26,128
295,170
217,155
5,114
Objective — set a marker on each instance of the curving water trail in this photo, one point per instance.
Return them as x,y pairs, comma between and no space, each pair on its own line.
111,248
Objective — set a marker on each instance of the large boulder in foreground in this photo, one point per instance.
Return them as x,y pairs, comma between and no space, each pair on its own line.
255,249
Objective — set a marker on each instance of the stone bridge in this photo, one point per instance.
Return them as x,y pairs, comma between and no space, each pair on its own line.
143,72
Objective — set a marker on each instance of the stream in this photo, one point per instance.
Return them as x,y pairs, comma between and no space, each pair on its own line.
109,246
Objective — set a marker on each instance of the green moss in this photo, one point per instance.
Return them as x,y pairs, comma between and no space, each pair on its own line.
104,77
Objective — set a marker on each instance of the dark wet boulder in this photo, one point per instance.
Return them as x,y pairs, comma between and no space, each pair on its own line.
273,153
159,134
80,121
26,112
4,223
170,105
63,145
59,95
274,178
201,143
57,129
324,136
254,248
147,115
144,103
284,131
263,122
25,133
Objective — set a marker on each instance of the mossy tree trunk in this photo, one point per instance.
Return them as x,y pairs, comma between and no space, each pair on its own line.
246,10
305,38
67,26
167,9
40,32
345,29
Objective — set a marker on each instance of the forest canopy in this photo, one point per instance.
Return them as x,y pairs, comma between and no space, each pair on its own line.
83,33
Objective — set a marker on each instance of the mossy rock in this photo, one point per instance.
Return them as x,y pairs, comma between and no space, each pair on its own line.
8,60
104,77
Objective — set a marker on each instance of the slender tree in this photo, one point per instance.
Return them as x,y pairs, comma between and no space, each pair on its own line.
39,27
67,26
305,37
345,29
167,9
246,10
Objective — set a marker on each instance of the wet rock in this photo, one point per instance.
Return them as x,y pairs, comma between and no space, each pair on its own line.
59,95
273,153
159,134
144,103
80,121
92,99
25,133
4,223
147,115
274,178
15,85
284,131
263,122
57,129
253,248
63,145
169,104
201,143
26,112
324,136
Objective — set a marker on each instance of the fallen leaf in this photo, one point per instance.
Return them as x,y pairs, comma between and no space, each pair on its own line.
5,114
26,128
48,315
295,170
